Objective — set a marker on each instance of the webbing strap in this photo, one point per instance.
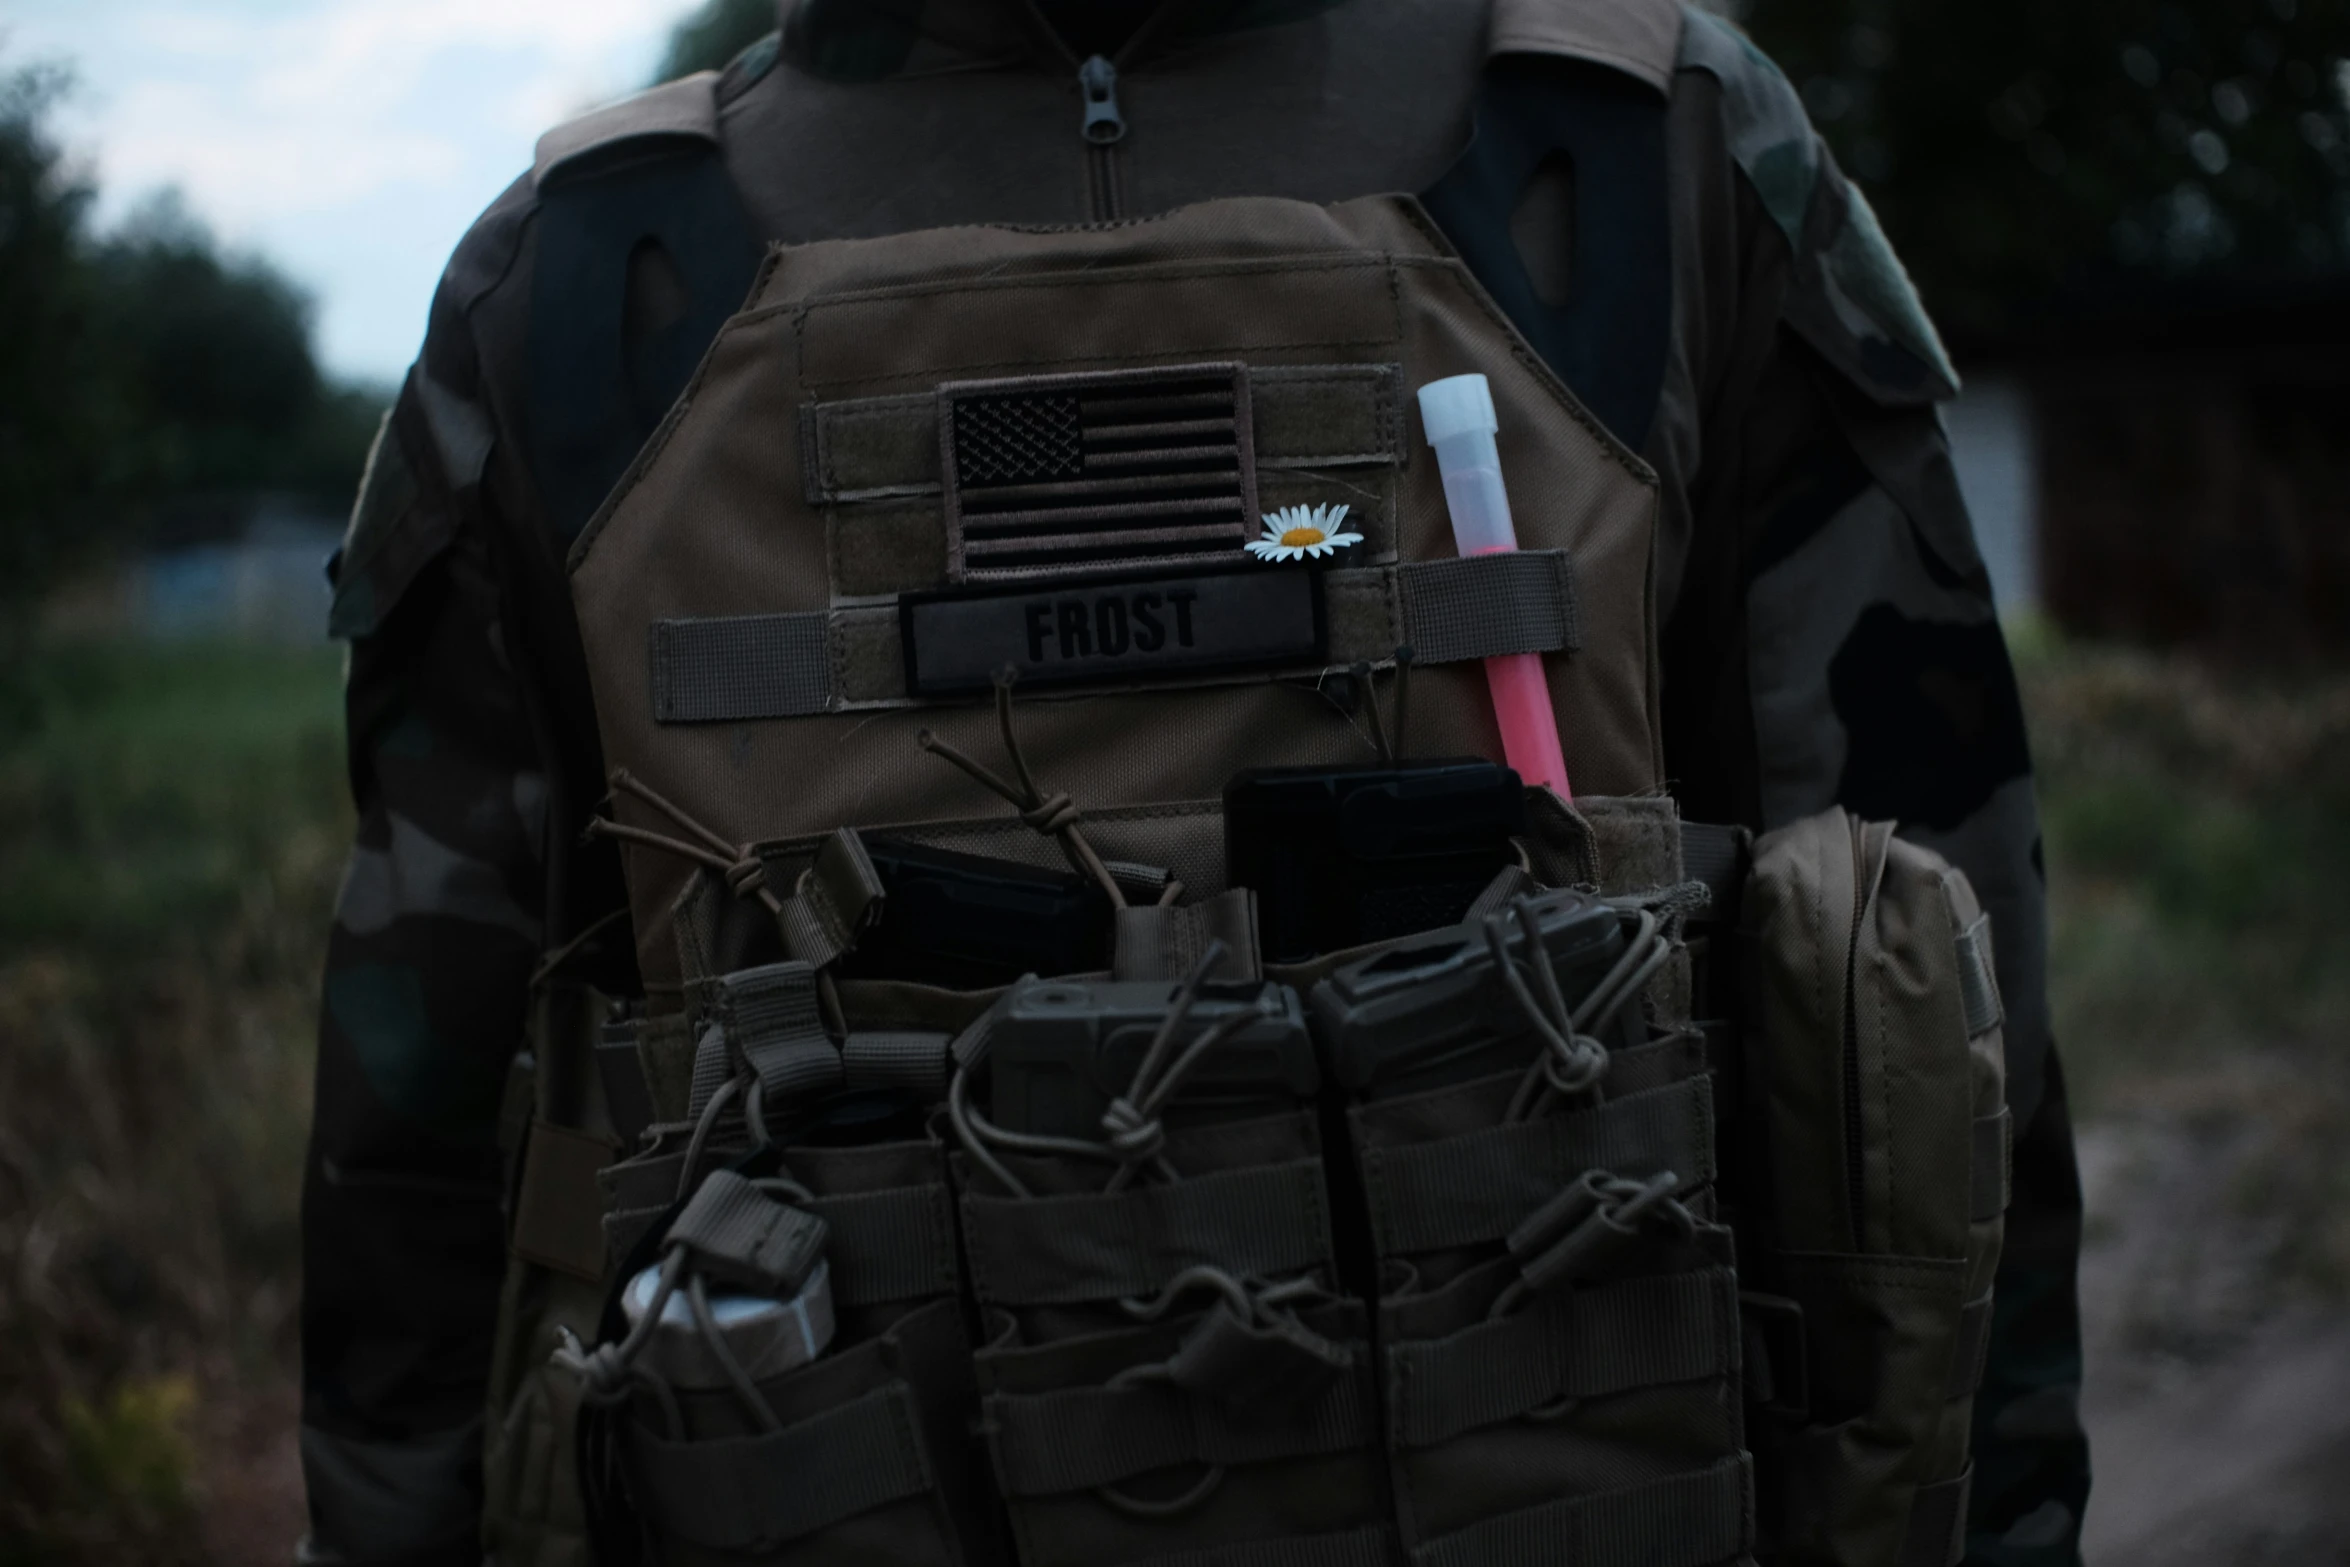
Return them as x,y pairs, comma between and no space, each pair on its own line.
838,894
898,1058
1262,1222
1937,1524
1978,978
744,1235
1355,1548
772,1018
1973,1345
736,668
712,1067
1989,1159
893,1244
1458,1191
1048,1444
1716,855
1167,941
1684,1520
1675,1327
1522,601
730,668
754,1493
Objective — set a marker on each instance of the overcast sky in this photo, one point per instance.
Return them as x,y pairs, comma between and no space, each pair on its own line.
351,141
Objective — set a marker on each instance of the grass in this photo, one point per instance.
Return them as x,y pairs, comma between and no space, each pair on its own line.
171,827
172,824
2198,841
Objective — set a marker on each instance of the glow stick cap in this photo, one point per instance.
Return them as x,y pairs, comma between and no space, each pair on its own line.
1457,405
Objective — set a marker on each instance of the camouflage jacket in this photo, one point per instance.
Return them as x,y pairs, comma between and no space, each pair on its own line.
1830,635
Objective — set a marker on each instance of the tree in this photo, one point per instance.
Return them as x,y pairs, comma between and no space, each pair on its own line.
50,426
2017,148
713,34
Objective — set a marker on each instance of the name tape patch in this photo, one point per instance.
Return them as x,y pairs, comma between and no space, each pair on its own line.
1150,626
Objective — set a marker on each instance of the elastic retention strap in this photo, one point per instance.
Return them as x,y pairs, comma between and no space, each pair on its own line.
1686,1520
724,1494
1487,605
773,1020
1937,1524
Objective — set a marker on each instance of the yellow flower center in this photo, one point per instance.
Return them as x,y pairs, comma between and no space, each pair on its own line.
1302,538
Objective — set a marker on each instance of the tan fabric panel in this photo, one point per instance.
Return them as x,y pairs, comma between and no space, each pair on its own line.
714,520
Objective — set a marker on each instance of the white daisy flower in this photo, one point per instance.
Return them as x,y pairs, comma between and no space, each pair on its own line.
1295,532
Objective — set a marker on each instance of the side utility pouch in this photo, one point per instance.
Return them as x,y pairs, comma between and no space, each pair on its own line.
1875,1075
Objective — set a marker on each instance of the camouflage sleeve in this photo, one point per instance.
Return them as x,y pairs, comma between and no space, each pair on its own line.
1874,674
435,934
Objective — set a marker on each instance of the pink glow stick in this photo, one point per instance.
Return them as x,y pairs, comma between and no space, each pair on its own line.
1458,414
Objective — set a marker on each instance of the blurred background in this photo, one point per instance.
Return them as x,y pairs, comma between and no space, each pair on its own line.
219,227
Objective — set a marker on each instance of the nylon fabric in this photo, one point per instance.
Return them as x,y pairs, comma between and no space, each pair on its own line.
1690,1520
1355,1548
743,1235
889,1245
846,1461
1490,605
1267,1221
1457,1191
1676,1327
1937,1527
726,669
1075,1440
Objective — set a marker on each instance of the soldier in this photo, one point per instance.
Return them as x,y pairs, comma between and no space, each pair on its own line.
1631,181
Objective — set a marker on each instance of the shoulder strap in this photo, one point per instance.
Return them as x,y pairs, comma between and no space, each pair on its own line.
644,250
1570,110
1641,38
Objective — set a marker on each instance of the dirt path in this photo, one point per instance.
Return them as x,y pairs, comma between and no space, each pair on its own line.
2218,1411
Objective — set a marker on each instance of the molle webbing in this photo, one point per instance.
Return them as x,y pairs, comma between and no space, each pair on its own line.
1048,1444
1266,1221
1684,1520
739,668
723,1494
1582,1343
1457,1191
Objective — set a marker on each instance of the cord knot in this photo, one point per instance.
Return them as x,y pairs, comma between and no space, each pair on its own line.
1052,814
747,876
1133,1137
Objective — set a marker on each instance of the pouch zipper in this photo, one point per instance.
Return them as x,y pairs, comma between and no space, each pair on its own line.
1853,1146
1103,128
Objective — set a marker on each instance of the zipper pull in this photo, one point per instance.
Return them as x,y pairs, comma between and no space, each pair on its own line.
1097,78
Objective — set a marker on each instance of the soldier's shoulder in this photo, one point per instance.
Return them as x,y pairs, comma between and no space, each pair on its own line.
1641,38
683,111
1763,118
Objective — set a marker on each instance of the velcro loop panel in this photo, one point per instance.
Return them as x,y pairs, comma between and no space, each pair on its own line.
725,1495
1266,1221
1459,1191
1049,1444
1354,1548
889,1245
1937,1524
1303,416
732,668
1717,855
1978,979
1648,1332
1518,601
1972,1347
1989,1160
743,1235
1684,1520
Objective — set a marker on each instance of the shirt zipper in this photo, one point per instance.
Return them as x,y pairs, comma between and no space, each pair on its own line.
1103,128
